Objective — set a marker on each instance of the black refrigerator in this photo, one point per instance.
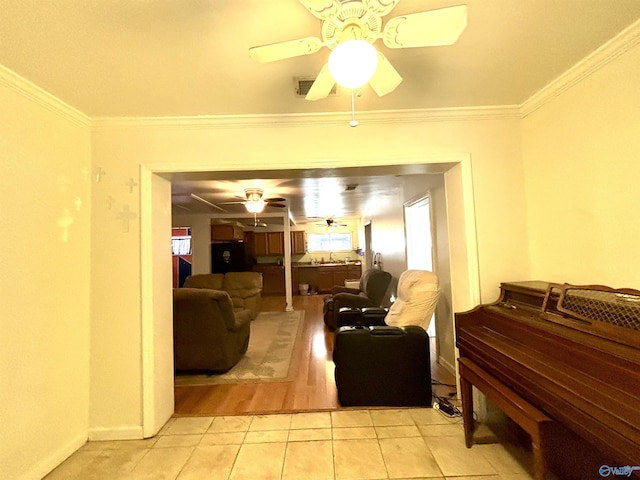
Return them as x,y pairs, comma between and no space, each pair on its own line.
230,257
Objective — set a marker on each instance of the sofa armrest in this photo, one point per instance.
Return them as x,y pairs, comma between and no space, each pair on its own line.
242,317
351,300
366,316
247,298
339,289
244,292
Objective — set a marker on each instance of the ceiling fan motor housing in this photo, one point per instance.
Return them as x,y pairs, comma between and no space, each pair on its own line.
354,21
253,194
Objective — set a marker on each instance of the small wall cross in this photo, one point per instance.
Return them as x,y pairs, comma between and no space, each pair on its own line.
126,216
131,184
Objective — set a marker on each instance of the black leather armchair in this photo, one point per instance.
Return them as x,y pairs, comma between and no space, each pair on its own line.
382,366
371,292
417,297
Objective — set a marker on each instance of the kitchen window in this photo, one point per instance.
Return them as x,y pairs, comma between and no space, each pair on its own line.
329,242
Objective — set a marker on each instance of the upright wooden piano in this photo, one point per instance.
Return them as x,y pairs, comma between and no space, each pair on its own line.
564,362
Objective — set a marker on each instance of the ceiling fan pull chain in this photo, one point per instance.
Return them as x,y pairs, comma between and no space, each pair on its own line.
353,122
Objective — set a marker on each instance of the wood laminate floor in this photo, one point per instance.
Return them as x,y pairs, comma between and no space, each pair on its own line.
312,389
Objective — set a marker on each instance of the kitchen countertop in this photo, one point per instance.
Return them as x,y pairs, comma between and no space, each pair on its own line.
310,265
315,265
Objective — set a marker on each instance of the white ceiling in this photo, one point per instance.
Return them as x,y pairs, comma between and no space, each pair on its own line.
309,194
114,58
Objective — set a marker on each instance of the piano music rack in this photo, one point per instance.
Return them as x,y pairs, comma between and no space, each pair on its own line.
596,309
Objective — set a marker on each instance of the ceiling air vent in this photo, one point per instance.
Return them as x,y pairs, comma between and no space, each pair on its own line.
303,85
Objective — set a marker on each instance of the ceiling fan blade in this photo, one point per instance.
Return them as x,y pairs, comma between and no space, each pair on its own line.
386,78
381,7
322,86
231,203
276,199
426,29
321,9
279,205
282,50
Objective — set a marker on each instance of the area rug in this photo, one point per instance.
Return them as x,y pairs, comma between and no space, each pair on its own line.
274,339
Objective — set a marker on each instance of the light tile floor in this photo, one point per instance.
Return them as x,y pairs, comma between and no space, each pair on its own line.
418,443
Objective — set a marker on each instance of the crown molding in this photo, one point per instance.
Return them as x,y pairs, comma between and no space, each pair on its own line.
34,93
305,120
618,45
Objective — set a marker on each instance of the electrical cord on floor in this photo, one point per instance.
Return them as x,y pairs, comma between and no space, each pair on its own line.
444,406
438,382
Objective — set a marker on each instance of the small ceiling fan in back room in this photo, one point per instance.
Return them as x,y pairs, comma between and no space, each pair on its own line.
331,223
254,203
349,29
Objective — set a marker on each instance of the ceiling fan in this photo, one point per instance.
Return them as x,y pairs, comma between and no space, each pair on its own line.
254,202
329,222
257,222
345,20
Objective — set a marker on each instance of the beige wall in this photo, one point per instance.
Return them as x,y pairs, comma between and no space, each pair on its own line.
119,147
574,161
582,168
44,334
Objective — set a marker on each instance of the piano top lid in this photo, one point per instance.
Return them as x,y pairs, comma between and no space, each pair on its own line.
528,293
529,286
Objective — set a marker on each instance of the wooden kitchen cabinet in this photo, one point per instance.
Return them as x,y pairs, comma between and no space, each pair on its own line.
339,275
275,243
331,275
295,280
260,244
354,272
266,243
325,279
226,233
272,279
298,243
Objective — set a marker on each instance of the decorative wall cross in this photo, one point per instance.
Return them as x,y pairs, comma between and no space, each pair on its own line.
126,216
131,184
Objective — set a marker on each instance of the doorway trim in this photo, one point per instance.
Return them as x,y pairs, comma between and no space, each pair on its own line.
465,288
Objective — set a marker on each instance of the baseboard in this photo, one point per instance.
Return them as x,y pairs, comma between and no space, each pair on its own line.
47,464
121,433
450,368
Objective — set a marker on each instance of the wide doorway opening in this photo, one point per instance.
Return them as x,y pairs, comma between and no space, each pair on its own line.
457,174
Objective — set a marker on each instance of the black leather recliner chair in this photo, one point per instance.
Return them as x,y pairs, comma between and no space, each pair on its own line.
382,366
383,359
371,292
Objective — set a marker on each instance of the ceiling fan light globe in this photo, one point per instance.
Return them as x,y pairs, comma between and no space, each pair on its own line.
353,63
255,207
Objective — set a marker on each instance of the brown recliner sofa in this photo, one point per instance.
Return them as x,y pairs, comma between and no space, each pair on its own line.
244,288
208,333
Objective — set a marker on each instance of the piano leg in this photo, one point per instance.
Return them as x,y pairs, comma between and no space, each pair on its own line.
466,392
535,422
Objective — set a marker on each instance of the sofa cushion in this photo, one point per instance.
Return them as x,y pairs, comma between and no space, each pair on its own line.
250,281
244,288
214,281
